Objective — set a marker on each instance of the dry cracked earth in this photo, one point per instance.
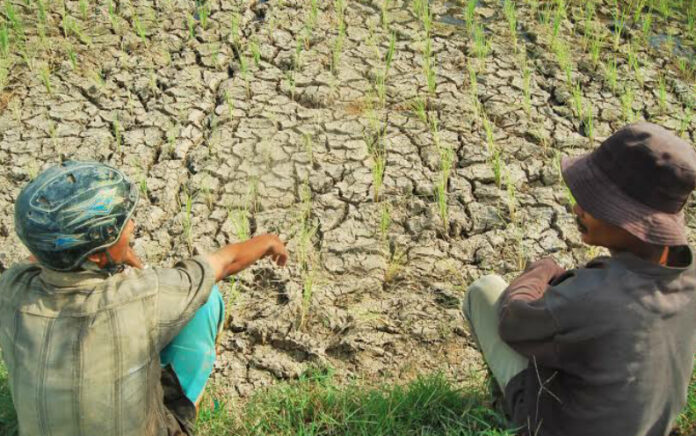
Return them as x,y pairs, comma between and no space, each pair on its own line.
394,184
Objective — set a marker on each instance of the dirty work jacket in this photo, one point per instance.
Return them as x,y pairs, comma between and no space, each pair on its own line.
82,349
611,345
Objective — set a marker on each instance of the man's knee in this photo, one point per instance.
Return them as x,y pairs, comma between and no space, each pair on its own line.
486,289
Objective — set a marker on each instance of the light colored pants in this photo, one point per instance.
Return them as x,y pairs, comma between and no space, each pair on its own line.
192,352
480,307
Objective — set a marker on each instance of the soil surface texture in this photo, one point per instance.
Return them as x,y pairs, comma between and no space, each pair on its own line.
400,153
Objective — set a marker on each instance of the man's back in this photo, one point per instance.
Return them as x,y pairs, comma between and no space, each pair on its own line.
82,349
621,350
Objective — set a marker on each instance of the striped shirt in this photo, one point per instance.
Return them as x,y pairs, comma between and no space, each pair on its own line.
82,348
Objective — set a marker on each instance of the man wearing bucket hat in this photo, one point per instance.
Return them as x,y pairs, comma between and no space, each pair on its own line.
608,348
94,343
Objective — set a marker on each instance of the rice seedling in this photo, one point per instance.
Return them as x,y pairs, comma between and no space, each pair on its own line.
596,44
72,57
390,54
234,29
588,124
385,14
545,14
308,147
381,88
558,18
139,28
28,58
113,17
511,16
587,19
669,44
290,81
396,264
497,167
685,122
203,12
13,18
470,14
426,17
253,194
434,126
563,57
191,24
481,45
45,75
520,249
418,6
619,23
646,25
662,93
313,13
627,99
691,21
41,11
297,56
233,292
634,64
430,77
4,74
337,47
418,106
142,179
446,162
307,292
686,68
32,170
379,164
664,7
4,40
239,218
490,139
84,8
255,51
638,10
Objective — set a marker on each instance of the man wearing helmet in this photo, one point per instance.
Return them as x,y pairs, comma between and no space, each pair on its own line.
92,346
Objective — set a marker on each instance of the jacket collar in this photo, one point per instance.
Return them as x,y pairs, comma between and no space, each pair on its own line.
88,275
639,265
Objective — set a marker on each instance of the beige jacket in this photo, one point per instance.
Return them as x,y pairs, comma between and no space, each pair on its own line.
82,348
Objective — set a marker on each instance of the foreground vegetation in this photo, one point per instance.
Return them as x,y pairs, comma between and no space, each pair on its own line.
315,405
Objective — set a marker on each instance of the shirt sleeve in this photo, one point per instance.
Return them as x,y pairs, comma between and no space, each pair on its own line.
525,321
182,290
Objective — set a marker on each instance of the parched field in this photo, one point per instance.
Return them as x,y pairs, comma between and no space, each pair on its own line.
401,148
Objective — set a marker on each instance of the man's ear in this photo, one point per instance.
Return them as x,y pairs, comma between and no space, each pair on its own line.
99,258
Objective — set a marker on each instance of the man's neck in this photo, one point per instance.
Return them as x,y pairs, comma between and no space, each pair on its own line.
652,253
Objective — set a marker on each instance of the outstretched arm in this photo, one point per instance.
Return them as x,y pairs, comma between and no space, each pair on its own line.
233,258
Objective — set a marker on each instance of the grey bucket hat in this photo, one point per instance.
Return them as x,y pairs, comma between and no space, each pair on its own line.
639,179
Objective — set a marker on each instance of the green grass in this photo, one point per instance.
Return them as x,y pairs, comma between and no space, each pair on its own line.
8,420
317,404
686,423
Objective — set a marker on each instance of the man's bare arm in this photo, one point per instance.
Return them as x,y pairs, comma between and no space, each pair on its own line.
233,258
